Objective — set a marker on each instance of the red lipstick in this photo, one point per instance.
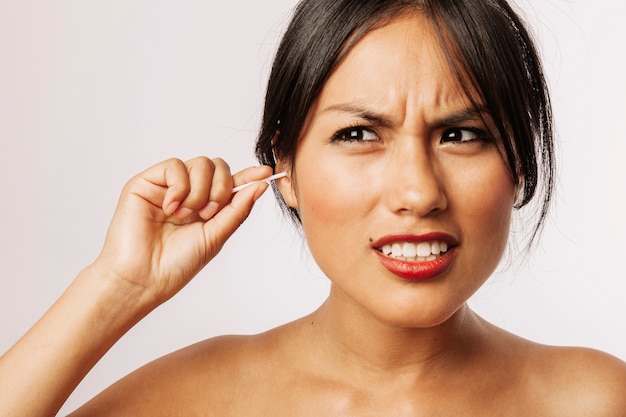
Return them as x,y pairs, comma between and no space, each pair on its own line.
417,270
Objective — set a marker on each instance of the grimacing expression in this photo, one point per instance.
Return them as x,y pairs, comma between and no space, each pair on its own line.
394,158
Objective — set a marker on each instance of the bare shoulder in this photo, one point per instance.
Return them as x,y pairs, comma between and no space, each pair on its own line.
192,381
579,381
558,381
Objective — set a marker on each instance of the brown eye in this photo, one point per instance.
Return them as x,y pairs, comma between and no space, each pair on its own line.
460,135
355,134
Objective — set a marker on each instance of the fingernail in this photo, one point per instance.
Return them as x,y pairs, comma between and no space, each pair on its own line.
169,210
183,212
209,210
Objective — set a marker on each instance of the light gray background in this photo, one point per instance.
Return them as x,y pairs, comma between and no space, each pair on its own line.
93,92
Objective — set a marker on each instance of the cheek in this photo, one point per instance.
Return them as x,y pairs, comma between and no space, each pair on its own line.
487,203
331,196
335,201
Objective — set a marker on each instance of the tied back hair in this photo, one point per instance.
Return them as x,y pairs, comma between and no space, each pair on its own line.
485,42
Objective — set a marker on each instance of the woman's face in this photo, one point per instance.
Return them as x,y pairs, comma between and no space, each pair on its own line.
404,197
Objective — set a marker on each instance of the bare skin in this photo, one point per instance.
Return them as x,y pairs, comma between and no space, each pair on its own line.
277,373
381,344
170,221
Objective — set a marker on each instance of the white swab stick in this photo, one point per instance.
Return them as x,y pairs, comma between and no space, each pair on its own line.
271,177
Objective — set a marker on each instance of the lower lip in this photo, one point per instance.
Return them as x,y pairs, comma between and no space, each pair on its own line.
417,270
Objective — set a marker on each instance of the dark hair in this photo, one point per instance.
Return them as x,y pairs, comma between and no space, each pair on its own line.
485,41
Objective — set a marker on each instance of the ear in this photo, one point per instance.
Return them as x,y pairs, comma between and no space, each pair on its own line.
286,185
519,188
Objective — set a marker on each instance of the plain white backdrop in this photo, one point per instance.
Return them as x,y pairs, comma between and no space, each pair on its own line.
93,92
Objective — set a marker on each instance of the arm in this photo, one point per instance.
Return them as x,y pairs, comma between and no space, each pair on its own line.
171,220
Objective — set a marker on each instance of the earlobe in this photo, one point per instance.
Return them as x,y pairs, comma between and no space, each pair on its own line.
517,191
286,185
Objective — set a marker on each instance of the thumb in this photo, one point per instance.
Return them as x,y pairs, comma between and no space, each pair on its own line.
219,228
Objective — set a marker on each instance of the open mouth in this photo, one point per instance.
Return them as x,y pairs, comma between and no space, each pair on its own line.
415,251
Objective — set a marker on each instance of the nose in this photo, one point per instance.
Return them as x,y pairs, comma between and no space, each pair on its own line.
416,184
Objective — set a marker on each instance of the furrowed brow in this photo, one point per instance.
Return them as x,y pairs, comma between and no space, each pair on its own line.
361,112
470,114
465,115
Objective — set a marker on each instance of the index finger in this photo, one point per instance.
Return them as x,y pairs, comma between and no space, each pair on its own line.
251,175
221,195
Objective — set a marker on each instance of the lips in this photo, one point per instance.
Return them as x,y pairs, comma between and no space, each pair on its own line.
416,257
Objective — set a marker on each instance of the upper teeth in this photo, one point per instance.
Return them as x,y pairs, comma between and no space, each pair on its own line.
422,251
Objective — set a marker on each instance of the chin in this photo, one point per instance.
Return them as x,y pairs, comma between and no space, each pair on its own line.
420,318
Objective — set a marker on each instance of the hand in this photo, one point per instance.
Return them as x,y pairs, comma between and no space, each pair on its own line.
172,219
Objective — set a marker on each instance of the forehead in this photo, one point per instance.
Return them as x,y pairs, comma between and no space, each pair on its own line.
399,63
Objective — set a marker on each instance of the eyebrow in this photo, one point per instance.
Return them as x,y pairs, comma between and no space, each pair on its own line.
458,117
361,112
465,115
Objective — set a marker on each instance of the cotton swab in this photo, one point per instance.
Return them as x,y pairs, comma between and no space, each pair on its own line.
271,177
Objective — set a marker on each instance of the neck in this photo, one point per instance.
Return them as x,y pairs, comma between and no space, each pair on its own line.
361,342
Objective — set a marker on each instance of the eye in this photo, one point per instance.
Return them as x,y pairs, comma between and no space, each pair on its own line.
355,134
461,135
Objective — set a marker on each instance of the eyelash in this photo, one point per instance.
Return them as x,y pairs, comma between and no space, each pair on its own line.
347,134
343,135
480,134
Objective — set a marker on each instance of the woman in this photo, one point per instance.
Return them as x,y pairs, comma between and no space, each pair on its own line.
409,131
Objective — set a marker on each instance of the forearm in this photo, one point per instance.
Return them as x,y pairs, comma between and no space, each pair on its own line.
41,370
170,221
